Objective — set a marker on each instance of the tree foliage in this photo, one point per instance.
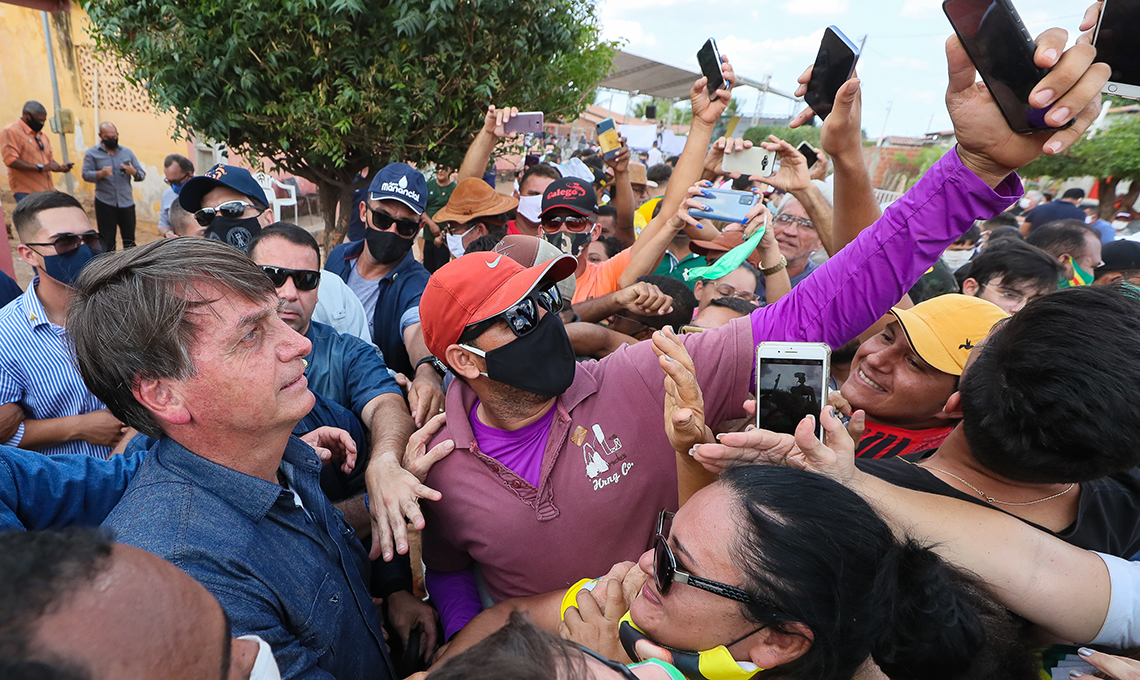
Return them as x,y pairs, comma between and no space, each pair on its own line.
325,88
796,136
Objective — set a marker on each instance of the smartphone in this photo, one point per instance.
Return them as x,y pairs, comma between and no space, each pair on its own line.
608,138
809,153
726,205
834,65
1001,48
709,59
1119,25
754,162
791,382
526,123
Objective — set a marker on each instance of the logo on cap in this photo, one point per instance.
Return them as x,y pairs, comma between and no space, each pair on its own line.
967,345
492,265
568,191
401,188
217,172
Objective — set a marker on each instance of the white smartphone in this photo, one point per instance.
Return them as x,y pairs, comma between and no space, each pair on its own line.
1118,27
529,122
754,162
791,382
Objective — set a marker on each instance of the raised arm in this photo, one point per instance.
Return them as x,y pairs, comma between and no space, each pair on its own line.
623,195
479,153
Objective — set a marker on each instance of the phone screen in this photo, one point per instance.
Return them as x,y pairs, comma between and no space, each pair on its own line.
1002,51
1119,26
809,153
709,59
787,391
834,64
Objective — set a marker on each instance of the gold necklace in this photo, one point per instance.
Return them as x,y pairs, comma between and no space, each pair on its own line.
986,497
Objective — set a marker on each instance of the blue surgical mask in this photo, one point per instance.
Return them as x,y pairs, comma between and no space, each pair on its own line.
177,188
66,268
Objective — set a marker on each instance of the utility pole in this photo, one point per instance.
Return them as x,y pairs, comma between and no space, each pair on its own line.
69,181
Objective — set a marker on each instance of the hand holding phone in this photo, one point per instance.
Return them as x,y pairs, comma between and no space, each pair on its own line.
752,162
709,59
809,153
608,138
525,123
834,65
726,205
1119,25
791,383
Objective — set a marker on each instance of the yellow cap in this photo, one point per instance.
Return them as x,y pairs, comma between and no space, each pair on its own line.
944,329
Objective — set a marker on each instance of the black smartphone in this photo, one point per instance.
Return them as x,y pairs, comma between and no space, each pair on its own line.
709,59
834,65
1002,50
1119,26
808,152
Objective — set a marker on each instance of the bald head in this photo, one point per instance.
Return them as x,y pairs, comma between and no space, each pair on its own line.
108,130
35,108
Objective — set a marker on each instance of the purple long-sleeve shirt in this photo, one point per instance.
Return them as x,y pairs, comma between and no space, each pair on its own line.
607,467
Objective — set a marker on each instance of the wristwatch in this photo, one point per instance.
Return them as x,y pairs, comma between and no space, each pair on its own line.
435,363
779,266
40,167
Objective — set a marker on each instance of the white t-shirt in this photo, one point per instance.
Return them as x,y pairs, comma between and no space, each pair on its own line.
338,306
1121,627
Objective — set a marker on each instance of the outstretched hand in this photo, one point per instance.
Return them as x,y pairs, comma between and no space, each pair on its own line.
684,402
706,110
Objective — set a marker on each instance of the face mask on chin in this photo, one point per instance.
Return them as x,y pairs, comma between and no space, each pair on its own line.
265,666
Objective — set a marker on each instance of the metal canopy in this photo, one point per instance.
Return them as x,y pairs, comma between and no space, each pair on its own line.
632,73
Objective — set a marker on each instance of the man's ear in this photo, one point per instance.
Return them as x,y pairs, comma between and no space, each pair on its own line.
363,211
953,407
771,647
462,362
27,255
163,399
970,287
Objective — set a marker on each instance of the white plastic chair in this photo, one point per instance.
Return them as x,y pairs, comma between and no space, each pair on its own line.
269,186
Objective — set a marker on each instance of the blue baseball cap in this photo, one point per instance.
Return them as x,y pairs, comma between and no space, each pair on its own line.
236,178
399,182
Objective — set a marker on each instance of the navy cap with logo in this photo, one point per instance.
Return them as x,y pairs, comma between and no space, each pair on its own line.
232,176
572,193
400,182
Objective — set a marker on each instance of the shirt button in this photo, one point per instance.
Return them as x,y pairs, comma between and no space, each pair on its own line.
334,599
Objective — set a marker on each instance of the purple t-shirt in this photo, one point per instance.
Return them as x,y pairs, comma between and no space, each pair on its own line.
520,450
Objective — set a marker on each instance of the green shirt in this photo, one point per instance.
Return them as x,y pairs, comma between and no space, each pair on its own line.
438,196
676,269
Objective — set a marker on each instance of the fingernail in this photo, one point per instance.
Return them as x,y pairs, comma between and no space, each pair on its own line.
831,410
706,194
668,358
1076,674
1085,651
1045,96
686,422
720,435
693,451
1053,147
1051,54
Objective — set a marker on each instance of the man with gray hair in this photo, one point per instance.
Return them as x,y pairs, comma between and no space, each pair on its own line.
27,153
111,168
182,339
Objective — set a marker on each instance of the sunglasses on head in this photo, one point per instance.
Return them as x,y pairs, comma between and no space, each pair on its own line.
383,221
575,224
522,317
66,243
303,279
230,209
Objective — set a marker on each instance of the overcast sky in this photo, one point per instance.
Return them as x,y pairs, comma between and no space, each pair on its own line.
903,63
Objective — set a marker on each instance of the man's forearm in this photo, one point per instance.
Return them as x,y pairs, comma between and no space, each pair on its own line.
356,514
597,309
854,201
592,340
623,204
477,156
21,164
389,425
41,433
11,415
820,214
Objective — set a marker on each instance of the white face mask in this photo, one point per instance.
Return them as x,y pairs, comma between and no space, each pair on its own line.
530,207
956,258
265,666
455,245
1023,204
1119,225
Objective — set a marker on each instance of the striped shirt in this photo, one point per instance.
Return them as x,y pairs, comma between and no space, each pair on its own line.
38,371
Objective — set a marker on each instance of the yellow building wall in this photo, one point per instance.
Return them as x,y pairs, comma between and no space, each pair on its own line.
24,75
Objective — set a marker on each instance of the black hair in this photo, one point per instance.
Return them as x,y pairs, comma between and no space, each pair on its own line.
39,570
672,161
612,244
657,211
291,233
735,304
1000,233
684,302
484,243
1006,219
34,107
1017,263
607,210
1062,237
183,162
1077,193
539,170
517,651
846,353
860,591
972,236
659,173
1048,398
741,183
26,215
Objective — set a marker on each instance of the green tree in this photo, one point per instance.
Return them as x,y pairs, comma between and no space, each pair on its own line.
796,136
325,88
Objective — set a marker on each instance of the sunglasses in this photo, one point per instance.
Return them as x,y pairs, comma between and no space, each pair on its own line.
522,317
303,279
571,223
665,572
39,142
66,243
230,209
383,222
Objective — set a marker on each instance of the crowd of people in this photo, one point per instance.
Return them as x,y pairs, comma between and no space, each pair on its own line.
223,450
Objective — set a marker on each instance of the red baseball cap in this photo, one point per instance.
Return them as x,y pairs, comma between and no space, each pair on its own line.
476,287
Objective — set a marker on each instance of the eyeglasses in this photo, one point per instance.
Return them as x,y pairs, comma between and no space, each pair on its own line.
665,573
65,243
177,182
303,279
459,229
522,317
575,224
642,327
383,222
725,290
230,209
788,219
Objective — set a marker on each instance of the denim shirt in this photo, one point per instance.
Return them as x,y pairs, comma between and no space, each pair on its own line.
295,576
345,369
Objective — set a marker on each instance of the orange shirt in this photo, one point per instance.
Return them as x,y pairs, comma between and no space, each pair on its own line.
601,279
18,141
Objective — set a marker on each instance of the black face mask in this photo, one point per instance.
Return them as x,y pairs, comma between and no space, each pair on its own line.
540,362
387,247
238,233
34,124
111,144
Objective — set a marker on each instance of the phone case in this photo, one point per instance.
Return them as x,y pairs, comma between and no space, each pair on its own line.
709,60
726,205
1124,17
526,123
816,377
608,138
754,162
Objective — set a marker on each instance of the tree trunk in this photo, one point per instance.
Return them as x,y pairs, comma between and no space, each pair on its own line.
1129,199
336,206
1106,189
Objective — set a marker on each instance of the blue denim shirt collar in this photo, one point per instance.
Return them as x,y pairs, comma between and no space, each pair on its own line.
253,497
